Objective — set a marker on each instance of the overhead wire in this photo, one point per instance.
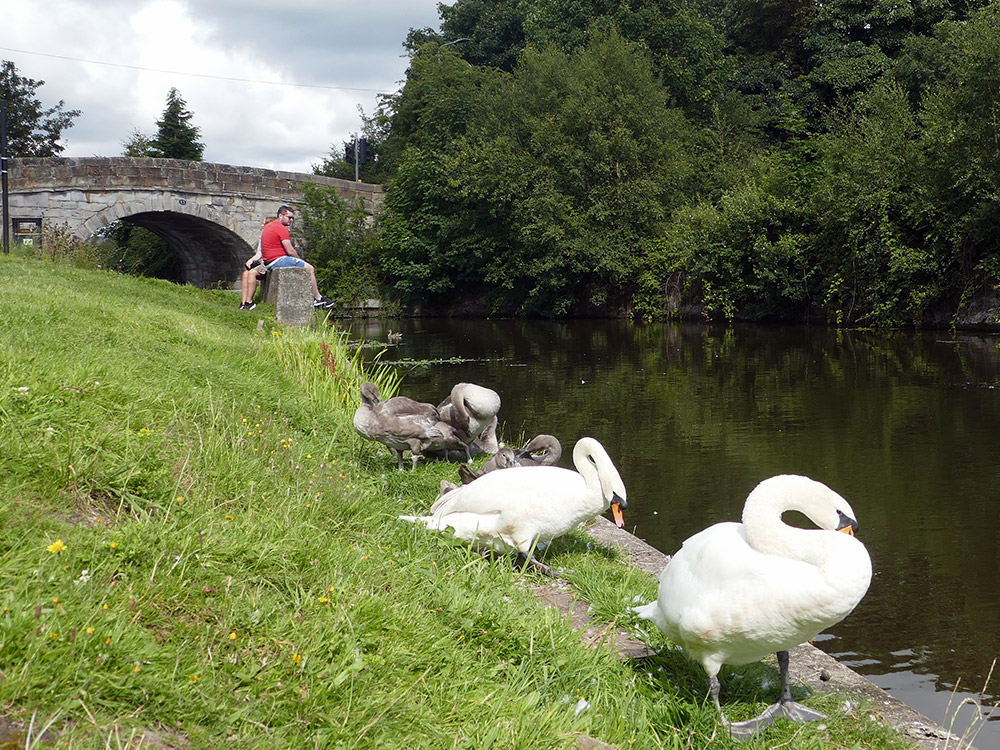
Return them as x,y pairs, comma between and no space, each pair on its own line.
194,75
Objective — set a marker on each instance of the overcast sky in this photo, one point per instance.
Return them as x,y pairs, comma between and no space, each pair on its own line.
329,57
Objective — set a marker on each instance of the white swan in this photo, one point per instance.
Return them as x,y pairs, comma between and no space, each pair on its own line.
516,509
402,424
736,592
470,409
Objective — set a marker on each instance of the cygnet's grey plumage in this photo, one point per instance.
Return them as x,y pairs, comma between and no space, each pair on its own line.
470,409
505,458
541,450
402,424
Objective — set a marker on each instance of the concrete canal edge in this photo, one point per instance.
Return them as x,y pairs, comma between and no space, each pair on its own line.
809,665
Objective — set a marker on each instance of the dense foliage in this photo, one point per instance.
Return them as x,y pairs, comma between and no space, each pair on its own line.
780,159
32,129
340,244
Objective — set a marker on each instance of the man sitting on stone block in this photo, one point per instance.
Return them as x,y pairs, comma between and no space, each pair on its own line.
276,251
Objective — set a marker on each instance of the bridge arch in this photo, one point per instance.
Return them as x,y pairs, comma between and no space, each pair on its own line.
209,214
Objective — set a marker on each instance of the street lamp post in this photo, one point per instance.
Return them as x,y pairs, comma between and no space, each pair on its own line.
3,174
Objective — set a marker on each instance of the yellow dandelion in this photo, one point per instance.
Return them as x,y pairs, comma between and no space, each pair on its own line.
343,476
180,499
56,547
323,600
55,599
53,635
90,631
194,678
104,606
308,455
297,658
113,545
232,636
107,641
229,518
137,668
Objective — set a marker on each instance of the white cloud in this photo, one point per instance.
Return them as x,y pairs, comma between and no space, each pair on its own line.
337,46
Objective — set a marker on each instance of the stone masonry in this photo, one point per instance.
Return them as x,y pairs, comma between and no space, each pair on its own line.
209,214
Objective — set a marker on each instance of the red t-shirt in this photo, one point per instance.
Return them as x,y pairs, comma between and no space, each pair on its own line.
270,240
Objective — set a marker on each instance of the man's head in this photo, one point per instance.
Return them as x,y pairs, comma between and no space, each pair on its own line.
286,215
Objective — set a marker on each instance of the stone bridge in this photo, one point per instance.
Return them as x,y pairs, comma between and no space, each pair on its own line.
209,214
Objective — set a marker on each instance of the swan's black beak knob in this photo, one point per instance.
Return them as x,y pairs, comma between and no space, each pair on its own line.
847,524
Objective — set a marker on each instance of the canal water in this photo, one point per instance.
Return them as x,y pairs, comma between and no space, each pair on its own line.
905,425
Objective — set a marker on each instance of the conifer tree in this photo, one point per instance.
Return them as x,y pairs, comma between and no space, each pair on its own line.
176,137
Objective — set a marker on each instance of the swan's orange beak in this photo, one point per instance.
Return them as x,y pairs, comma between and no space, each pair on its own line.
849,529
616,511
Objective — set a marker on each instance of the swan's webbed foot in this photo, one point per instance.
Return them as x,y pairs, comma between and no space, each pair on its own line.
744,730
785,708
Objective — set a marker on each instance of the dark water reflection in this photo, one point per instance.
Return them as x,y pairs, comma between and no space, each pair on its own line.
904,425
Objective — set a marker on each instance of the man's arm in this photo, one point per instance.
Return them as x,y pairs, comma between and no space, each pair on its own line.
287,244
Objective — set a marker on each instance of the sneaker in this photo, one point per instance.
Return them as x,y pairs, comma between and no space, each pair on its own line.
324,303
248,305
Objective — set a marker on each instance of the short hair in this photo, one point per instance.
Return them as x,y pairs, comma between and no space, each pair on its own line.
285,210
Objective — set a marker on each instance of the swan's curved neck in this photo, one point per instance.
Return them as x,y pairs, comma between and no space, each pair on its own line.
587,466
768,534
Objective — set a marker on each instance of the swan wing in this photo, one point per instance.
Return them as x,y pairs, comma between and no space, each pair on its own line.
728,603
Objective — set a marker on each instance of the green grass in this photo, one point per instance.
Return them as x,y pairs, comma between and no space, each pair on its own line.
232,572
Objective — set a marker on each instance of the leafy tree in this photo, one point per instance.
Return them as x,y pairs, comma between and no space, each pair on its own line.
136,251
341,245
961,119
536,189
138,144
176,137
492,31
31,129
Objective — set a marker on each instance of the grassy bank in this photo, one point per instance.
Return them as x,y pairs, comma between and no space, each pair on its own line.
197,550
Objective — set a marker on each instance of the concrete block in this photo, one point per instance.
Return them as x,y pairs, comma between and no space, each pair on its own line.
290,290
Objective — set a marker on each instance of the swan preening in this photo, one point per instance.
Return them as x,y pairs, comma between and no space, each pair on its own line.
402,424
518,508
736,592
541,450
470,409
